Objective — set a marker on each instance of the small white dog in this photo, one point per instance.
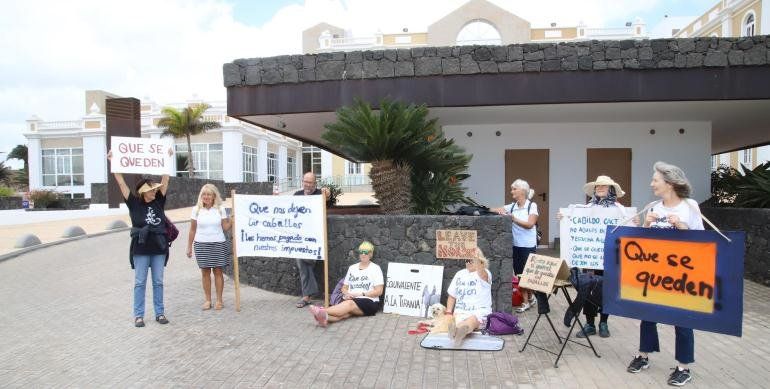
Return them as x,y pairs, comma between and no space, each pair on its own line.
439,322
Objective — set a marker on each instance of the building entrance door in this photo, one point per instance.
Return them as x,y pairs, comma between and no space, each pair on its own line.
530,165
615,163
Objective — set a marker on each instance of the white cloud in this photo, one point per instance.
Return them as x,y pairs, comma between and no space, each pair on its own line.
168,50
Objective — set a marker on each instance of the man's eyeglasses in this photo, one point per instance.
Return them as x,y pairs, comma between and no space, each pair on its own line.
365,252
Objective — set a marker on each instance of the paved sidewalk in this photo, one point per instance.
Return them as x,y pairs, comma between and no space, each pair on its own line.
49,226
66,321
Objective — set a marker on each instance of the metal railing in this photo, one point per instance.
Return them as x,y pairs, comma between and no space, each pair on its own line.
351,183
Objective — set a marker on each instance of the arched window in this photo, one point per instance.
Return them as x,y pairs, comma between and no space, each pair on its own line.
479,32
748,25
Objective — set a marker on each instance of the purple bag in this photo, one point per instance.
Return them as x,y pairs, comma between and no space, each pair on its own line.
336,297
502,323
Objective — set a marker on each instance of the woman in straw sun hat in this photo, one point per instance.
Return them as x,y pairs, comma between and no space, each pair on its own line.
149,246
604,192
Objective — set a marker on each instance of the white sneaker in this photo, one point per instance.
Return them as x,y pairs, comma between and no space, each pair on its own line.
532,301
523,308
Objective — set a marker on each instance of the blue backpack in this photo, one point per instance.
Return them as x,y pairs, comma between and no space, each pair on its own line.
502,323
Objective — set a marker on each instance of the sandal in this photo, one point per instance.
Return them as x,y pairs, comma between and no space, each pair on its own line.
139,322
206,306
302,303
219,305
161,319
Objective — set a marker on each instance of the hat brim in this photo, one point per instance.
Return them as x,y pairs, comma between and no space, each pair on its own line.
589,188
147,188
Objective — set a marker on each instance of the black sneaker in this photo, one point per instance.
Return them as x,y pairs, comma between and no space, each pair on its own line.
588,330
161,319
679,377
638,364
138,322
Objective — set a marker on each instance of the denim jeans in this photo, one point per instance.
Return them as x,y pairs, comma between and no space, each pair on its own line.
684,346
141,264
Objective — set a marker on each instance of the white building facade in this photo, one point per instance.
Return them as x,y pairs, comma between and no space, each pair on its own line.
68,156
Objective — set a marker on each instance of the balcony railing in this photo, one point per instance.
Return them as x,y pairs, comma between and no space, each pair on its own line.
60,125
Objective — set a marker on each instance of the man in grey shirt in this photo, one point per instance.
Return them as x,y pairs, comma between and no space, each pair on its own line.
306,276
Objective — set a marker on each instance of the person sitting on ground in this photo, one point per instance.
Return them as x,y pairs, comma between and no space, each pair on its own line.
307,280
470,298
604,192
361,290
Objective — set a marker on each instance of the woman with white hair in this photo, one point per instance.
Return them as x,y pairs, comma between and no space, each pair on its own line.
523,213
470,298
208,224
674,210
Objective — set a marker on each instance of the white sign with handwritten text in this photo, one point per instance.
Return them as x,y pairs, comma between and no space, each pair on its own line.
141,155
411,289
279,226
582,232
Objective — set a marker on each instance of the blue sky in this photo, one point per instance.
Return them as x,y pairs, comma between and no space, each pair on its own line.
168,51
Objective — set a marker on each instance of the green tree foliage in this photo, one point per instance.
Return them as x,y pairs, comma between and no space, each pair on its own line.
184,124
750,189
414,167
20,152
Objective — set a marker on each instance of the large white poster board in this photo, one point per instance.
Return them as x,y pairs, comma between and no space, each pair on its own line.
279,226
141,155
582,232
410,289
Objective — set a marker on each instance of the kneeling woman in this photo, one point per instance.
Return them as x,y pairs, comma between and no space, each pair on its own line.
361,290
470,298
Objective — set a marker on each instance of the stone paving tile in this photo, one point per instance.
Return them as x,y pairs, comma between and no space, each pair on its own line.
66,321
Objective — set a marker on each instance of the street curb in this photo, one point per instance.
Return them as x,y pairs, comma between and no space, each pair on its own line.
25,250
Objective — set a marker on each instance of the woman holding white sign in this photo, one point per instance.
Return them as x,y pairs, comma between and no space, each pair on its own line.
604,192
149,245
675,210
470,298
523,213
208,224
361,290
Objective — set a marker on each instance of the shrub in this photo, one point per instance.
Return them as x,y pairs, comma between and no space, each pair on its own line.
6,191
44,198
751,189
334,192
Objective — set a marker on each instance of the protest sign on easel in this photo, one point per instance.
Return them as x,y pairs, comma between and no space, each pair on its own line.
280,227
411,289
141,155
541,272
582,232
456,244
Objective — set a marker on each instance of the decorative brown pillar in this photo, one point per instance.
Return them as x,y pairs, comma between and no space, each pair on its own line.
123,119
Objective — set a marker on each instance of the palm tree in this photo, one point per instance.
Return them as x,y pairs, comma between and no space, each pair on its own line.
186,123
390,140
20,152
6,174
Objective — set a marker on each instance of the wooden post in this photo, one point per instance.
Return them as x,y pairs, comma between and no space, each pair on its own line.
236,276
325,257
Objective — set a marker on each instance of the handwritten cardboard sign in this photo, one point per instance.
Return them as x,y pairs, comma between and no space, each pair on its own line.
279,226
540,273
141,155
410,289
691,279
582,233
456,244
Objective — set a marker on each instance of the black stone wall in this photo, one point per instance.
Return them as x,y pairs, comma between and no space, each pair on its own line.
405,239
594,55
11,202
183,192
756,223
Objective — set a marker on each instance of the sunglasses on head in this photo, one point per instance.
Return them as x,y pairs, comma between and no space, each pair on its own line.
365,252
467,261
